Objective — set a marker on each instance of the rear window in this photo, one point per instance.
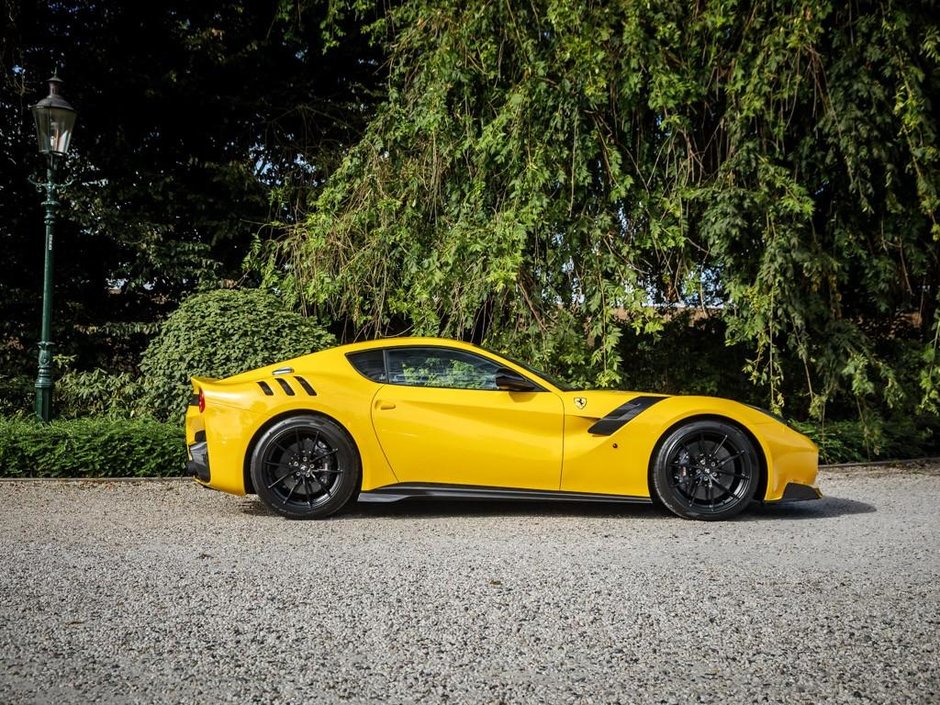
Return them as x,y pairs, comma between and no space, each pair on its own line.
369,363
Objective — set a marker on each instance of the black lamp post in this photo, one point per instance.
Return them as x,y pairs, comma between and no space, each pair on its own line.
55,119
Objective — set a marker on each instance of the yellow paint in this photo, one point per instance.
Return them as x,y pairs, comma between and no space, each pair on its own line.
471,436
530,440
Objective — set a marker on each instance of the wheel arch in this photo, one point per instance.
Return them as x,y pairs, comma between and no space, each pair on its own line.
761,490
263,428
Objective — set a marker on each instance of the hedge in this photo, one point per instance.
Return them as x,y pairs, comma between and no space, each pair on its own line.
91,447
217,334
878,439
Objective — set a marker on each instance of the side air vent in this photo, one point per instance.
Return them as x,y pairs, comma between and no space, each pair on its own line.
305,385
287,387
623,414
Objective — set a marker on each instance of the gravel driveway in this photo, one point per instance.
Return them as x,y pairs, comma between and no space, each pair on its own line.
157,592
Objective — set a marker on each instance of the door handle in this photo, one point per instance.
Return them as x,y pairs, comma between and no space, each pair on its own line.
384,405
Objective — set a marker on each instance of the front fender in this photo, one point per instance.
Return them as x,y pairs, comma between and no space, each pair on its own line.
619,461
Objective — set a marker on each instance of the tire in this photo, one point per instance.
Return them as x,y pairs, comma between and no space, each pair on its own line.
706,470
305,467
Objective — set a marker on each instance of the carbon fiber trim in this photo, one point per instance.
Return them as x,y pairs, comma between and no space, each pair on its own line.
795,492
623,414
198,463
397,493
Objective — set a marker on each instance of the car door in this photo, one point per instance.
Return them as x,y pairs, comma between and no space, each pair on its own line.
440,418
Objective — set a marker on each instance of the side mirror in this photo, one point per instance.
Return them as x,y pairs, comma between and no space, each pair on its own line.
509,381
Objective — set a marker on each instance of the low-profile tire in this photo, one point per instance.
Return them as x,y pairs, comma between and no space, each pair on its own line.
706,469
305,467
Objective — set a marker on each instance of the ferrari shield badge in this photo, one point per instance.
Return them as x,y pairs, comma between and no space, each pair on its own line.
580,402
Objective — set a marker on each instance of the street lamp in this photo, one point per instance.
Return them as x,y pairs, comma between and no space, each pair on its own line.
55,119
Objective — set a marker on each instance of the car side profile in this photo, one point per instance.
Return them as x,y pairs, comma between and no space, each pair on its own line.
387,420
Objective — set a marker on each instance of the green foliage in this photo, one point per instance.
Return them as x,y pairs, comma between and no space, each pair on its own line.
91,447
544,170
188,140
217,334
688,355
96,393
17,393
874,438
930,372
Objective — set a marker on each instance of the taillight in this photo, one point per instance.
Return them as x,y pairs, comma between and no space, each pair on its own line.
202,401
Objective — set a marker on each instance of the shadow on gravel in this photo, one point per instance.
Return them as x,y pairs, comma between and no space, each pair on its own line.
825,508
452,509
449,509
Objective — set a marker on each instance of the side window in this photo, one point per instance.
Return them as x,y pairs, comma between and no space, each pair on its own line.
370,363
440,367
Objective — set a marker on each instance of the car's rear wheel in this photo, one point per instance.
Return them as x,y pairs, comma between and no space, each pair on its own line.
706,470
305,467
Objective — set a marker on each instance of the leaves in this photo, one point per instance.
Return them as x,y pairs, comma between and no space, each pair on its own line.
91,447
215,119
218,334
545,175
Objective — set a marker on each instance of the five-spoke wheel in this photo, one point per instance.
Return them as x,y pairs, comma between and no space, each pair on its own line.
305,467
706,470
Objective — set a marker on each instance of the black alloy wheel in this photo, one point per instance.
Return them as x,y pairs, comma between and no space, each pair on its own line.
305,467
706,470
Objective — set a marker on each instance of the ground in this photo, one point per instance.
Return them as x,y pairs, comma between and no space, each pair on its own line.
160,591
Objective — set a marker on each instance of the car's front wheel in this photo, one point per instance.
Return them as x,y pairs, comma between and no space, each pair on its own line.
305,467
706,470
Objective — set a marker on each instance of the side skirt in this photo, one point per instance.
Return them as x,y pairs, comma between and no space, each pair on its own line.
406,490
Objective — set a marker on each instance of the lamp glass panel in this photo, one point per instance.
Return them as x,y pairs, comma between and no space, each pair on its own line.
54,129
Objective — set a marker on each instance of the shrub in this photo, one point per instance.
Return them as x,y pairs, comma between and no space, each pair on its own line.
17,393
217,334
91,447
874,439
96,393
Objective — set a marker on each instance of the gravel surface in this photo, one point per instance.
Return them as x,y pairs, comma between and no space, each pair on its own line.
153,592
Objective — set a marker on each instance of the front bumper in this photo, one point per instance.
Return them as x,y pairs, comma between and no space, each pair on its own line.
198,464
796,492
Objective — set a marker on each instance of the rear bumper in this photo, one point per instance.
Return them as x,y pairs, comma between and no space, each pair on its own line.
198,464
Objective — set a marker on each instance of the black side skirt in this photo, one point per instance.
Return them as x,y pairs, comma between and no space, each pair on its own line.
406,490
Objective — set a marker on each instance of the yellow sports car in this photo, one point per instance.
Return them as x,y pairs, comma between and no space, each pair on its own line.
424,417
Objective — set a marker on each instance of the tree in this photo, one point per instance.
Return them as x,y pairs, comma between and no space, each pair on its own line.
542,170
199,123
